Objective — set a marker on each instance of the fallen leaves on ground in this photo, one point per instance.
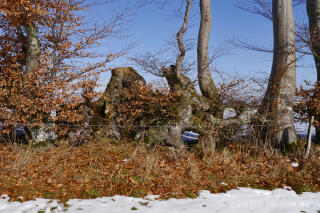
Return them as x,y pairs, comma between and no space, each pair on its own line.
129,168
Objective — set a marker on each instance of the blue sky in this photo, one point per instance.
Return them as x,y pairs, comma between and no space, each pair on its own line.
151,26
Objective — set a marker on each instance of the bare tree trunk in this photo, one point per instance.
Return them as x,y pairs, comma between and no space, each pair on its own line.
313,10
206,83
279,98
33,48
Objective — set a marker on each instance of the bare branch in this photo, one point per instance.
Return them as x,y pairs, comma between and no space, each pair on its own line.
151,62
259,7
180,34
246,45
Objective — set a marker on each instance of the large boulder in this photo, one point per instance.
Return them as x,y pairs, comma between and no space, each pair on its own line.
121,79
105,108
79,137
44,134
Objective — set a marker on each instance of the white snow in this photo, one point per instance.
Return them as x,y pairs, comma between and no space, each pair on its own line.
229,113
237,200
302,129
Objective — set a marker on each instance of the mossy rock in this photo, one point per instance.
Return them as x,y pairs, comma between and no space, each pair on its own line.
154,136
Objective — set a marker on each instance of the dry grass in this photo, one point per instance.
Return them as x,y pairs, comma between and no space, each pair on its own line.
130,168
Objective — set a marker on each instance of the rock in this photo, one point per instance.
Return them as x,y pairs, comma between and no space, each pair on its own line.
247,115
45,134
108,132
79,137
122,78
154,135
105,108
174,137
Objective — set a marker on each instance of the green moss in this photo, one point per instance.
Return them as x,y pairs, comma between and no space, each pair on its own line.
155,135
198,118
93,193
139,193
134,208
117,180
139,179
216,109
53,208
49,195
189,194
292,148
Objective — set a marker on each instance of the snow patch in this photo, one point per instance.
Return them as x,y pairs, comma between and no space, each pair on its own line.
237,200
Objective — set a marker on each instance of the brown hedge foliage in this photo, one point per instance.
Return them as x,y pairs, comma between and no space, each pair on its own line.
309,103
142,105
64,74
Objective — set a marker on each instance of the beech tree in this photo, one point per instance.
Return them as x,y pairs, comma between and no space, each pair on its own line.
264,8
313,10
278,101
152,63
206,83
40,43
307,43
